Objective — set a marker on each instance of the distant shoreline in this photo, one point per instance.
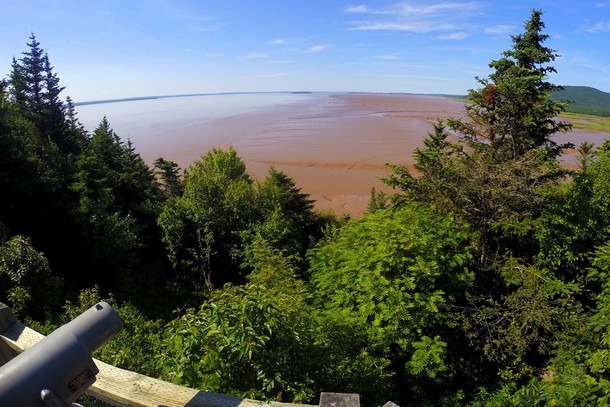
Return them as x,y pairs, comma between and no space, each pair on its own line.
294,92
140,98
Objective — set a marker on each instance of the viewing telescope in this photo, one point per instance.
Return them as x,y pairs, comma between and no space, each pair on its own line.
58,369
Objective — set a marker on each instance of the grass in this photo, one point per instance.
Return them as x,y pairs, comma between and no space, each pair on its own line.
587,122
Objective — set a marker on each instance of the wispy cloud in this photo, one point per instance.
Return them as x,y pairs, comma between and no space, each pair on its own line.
453,36
279,41
602,26
416,18
389,57
585,61
358,9
501,29
273,75
407,8
209,27
603,4
418,27
317,48
255,55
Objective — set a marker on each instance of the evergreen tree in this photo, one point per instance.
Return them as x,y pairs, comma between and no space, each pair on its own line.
285,227
168,174
36,89
511,111
117,206
28,77
71,118
378,200
279,193
24,176
497,176
493,175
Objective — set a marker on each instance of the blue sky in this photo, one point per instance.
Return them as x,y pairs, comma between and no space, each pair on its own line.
123,48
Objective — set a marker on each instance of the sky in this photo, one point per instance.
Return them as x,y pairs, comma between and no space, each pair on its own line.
128,48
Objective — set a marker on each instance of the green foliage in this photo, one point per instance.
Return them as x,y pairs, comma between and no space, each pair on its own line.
513,105
577,390
30,178
285,228
36,90
202,227
599,322
215,231
238,342
586,100
117,206
387,268
111,176
578,374
276,271
379,200
497,172
289,221
133,348
428,357
344,360
168,174
27,284
390,274
517,330
496,169
577,220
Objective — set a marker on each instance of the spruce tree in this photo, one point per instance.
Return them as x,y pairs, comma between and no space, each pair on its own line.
29,76
504,150
494,169
36,89
168,176
511,111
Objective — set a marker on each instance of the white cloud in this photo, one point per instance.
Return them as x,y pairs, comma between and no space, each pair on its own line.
453,36
501,29
410,9
209,28
585,61
279,61
603,4
598,27
418,18
416,27
255,55
358,9
273,75
279,41
389,57
407,8
318,48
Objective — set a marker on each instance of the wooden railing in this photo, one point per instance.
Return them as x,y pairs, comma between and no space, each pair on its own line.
121,387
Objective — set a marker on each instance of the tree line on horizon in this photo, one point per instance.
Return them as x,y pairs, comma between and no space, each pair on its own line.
482,280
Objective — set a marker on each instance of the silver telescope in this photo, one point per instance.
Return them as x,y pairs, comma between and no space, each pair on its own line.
58,369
